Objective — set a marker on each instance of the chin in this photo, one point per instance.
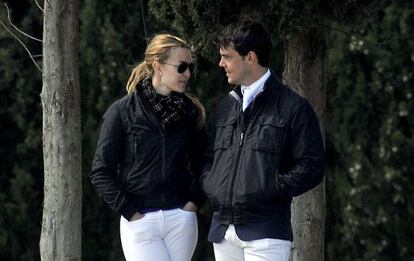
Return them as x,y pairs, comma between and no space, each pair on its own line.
180,90
232,82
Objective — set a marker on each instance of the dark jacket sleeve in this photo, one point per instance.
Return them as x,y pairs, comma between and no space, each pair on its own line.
307,153
104,173
195,152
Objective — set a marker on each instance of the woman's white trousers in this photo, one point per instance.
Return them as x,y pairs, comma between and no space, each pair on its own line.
164,235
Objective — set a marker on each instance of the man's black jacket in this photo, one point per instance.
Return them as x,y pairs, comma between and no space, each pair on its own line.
259,159
139,166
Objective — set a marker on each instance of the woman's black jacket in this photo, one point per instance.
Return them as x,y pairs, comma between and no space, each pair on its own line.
140,166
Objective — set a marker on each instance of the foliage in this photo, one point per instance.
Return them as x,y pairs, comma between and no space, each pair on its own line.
21,181
371,129
199,21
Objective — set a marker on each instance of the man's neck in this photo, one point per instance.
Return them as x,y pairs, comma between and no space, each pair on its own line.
256,75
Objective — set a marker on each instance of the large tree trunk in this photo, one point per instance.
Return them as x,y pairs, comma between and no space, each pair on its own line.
305,72
61,225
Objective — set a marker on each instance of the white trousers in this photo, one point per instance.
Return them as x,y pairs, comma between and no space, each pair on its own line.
164,235
232,248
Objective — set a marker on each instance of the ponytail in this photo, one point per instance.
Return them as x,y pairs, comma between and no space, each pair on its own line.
138,74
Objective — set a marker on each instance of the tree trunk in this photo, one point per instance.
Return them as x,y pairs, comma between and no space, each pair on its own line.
61,225
305,72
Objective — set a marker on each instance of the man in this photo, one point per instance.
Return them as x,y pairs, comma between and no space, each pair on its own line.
265,148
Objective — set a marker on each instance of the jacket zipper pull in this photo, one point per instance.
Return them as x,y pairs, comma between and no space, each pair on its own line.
241,139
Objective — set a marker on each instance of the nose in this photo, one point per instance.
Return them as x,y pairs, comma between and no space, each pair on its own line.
187,73
221,63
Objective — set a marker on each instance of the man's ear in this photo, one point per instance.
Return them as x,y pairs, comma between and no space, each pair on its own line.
252,57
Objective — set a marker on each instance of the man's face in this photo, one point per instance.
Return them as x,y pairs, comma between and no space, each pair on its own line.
237,67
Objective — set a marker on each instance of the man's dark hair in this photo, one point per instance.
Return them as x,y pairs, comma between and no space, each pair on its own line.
245,36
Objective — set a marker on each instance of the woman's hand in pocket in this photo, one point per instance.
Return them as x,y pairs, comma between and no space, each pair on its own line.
136,216
190,207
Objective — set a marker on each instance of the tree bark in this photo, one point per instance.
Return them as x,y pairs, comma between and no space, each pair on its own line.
305,72
61,225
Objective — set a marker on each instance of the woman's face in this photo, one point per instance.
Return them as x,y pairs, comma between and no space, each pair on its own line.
174,72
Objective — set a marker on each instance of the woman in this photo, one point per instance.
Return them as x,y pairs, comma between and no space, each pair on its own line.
141,160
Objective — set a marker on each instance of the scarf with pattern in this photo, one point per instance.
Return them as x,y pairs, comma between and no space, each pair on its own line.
171,110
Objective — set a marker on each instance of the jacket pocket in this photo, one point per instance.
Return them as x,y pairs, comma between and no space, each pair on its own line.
270,133
224,134
145,161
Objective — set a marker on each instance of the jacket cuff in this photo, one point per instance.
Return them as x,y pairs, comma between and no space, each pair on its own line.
128,211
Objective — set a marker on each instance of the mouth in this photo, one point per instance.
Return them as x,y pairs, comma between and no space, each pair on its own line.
183,82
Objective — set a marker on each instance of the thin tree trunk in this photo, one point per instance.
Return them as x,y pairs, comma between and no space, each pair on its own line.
61,224
305,72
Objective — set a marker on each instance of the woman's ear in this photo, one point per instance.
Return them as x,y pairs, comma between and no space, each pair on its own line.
157,68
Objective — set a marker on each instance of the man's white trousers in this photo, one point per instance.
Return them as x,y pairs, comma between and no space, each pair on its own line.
232,248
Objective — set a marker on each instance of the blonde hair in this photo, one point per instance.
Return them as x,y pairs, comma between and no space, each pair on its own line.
158,50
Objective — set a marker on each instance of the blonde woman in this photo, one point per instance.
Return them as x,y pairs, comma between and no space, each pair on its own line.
140,166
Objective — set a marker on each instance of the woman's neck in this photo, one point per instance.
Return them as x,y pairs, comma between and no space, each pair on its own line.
160,89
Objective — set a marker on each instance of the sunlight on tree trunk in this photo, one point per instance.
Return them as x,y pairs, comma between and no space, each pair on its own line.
61,224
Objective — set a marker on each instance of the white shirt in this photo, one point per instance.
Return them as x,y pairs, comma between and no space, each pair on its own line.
250,92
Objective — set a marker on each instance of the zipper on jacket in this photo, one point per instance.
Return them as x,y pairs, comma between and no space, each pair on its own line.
135,148
163,163
241,139
161,130
240,115
243,130
236,167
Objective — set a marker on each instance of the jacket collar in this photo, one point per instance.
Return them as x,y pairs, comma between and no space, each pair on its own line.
271,88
